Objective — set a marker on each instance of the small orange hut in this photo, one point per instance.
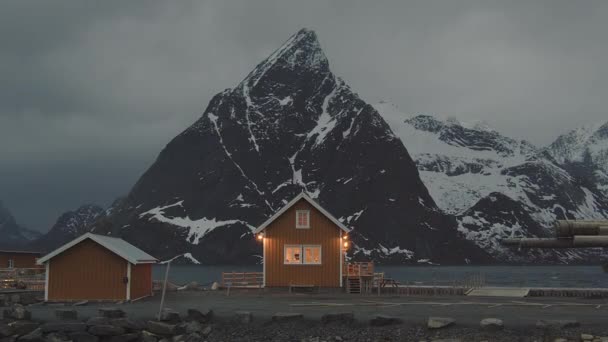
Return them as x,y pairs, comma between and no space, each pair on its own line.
303,246
97,267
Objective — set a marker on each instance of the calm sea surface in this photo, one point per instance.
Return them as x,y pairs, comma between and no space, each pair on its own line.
545,276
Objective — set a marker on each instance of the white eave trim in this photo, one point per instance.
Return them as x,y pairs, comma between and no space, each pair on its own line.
95,238
294,201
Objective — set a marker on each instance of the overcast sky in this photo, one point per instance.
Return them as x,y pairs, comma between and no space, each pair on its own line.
91,91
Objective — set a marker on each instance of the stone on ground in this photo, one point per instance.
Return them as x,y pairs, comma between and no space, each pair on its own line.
34,336
106,330
382,320
491,324
215,286
207,331
244,317
587,337
162,328
5,330
192,327
147,336
122,338
340,317
286,316
128,324
66,314
112,313
98,321
21,328
66,327
196,315
439,322
17,312
56,337
560,323
170,316
83,337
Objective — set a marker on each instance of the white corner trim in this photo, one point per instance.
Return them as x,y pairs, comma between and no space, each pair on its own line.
341,257
264,241
128,280
46,281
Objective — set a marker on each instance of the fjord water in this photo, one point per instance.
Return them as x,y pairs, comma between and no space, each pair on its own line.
526,276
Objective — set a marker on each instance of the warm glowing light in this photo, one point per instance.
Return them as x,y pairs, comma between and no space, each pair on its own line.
345,244
260,237
345,237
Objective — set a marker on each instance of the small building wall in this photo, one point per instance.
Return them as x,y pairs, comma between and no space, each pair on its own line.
21,260
141,281
87,271
283,231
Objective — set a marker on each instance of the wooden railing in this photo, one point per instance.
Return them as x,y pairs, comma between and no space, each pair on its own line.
22,278
358,269
242,279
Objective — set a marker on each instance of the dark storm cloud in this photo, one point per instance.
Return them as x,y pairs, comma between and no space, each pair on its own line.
90,91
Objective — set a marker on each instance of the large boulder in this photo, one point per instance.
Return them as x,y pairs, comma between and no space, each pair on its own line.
5,330
98,321
106,330
439,322
163,328
21,328
557,324
82,336
147,336
382,320
112,313
341,317
287,316
122,338
66,327
132,325
196,315
491,324
56,337
170,316
17,312
34,336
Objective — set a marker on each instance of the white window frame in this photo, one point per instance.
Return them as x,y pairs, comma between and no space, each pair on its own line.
11,263
298,226
285,254
320,255
302,256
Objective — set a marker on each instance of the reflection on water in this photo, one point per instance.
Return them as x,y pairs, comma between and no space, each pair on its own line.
532,276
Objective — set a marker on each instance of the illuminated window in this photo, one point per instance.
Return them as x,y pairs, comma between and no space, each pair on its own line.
293,254
11,263
312,255
302,255
302,219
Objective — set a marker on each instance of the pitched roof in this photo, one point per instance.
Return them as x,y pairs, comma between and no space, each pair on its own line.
118,246
314,203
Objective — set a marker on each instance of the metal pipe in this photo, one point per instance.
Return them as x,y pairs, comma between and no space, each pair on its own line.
538,243
590,241
579,241
580,227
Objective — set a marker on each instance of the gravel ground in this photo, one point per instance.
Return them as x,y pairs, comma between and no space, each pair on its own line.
309,331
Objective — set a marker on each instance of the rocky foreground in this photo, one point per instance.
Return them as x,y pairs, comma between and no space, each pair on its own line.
112,325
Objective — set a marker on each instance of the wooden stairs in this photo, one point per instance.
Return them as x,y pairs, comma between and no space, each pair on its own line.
353,285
